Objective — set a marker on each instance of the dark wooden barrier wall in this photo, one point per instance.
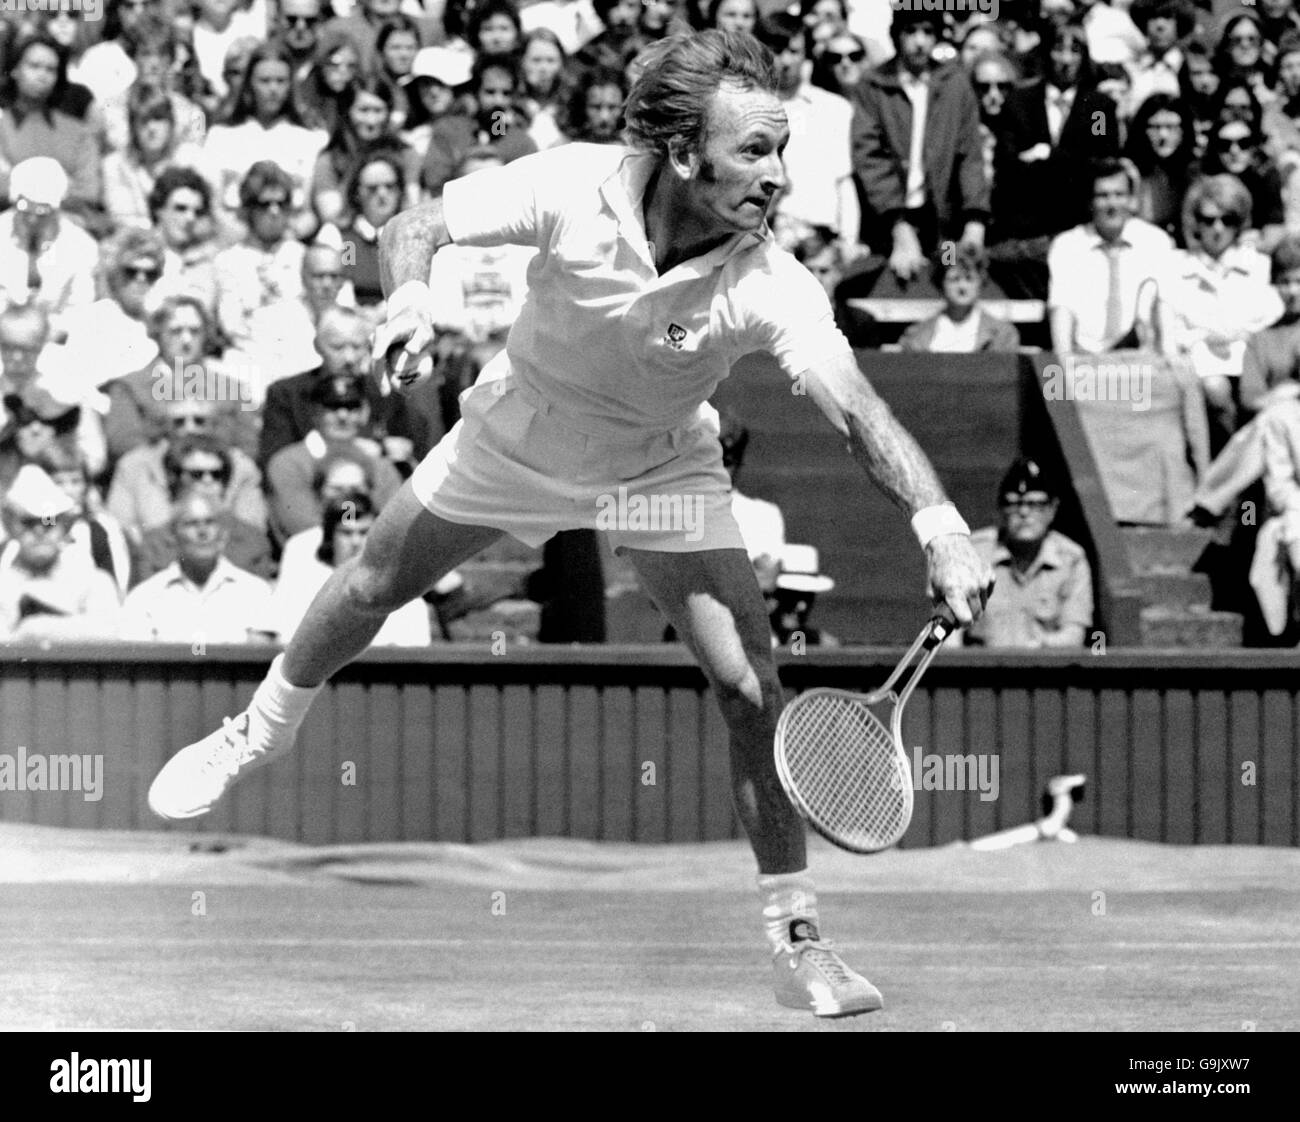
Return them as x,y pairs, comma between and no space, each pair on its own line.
459,745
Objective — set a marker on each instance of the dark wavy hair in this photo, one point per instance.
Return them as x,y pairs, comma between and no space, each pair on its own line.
355,504
1138,148
668,106
174,179
9,87
245,105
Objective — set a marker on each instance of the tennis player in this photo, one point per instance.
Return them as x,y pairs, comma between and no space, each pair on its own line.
655,271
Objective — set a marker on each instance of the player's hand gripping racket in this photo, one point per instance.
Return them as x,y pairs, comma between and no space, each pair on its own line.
844,769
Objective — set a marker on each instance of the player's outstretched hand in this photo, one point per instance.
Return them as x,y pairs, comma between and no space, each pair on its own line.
403,352
959,578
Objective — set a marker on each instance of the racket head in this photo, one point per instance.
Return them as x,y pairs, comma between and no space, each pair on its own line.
844,769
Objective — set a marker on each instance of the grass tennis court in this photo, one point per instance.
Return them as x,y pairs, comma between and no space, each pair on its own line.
102,933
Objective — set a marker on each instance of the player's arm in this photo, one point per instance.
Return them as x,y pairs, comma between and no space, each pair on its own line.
893,459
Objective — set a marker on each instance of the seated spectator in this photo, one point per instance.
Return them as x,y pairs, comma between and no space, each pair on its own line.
298,27
363,131
337,478
498,122
201,597
375,191
1199,90
336,67
152,146
437,76
45,260
397,44
494,28
343,347
1105,275
282,337
1236,148
340,536
181,331
92,530
1269,373
218,25
180,206
1050,132
594,114
573,22
49,388
155,52
264,127
34,421
1162,144
107,67
1281,123
266,267
798,581
48,591
820,190
1219,294
921,174
111,339
993,77
543,69
841,67
340,416
621,40
1044,581
962,327
1239,56
140,496
362,25
1165,24
33,125
201,464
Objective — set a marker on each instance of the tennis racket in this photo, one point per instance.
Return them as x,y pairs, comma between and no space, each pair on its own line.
844,768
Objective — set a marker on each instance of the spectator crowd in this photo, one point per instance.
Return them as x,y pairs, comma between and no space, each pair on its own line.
192,191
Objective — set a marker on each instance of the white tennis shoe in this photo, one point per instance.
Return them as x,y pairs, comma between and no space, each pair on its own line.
808,974
194,779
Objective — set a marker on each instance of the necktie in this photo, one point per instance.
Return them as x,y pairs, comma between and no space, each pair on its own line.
1114,327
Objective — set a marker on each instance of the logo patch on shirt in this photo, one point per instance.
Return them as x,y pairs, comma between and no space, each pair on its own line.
675,336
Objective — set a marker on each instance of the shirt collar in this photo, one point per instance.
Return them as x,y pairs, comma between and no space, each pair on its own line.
624,192
222,574
1049,554
1123,241
363,227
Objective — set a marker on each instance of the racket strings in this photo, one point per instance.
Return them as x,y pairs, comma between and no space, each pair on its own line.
844,761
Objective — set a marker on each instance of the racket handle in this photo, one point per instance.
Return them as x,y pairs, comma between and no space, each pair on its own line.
940,628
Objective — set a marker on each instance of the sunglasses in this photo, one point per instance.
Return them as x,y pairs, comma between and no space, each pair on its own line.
342,406
198,421
141,273
386,185
984,87
29,522
216,474
1234,142
1230,221
302,21
1248,38
1018,503
846,56
183,208
272,204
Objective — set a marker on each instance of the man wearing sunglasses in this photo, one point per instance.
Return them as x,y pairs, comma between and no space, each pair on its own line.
46,590
1044,580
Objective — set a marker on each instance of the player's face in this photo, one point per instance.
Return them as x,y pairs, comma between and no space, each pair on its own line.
740,169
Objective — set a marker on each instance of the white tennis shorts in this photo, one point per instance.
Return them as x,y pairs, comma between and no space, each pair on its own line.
511,463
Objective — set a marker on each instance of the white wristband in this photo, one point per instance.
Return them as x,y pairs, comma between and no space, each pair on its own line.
412,294
929,523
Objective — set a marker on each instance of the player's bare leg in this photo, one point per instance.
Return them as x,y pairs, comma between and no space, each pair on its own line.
713,600
406,552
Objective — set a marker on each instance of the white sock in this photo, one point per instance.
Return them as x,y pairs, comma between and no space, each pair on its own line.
789,907
278,709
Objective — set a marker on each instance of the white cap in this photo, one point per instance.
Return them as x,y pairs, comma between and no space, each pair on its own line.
801,570
450,67
40,180
35,494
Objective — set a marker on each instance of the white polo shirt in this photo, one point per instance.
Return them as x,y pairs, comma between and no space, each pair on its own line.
617,350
